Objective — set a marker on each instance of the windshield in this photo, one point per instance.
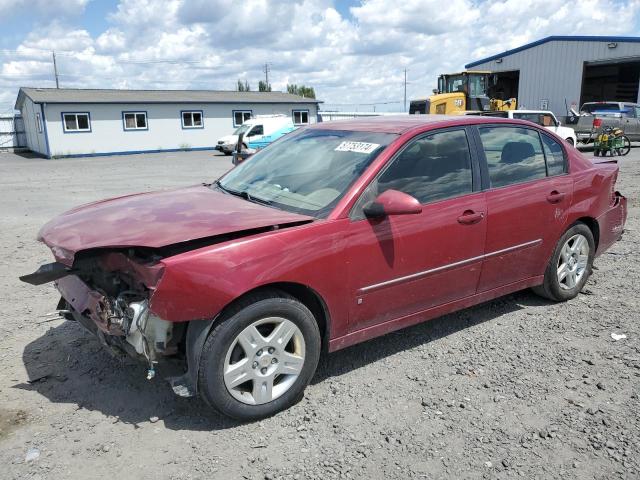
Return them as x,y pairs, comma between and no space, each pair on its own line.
242,129
306,172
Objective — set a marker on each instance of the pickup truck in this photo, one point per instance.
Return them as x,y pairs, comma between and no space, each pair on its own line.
594,116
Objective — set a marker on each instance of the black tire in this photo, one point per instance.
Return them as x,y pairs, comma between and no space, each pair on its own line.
211,386
627,145
570,141
551,288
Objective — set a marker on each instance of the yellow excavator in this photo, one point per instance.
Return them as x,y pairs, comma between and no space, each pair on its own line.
462,92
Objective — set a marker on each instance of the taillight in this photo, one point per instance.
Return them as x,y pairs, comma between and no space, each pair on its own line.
597,122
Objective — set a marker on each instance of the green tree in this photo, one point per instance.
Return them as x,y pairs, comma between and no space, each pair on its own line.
264,86
243,87
301,90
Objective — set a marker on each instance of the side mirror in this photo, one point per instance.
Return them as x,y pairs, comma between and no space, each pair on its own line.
392,202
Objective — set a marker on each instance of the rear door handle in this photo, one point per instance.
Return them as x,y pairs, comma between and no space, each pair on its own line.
555,197
470,217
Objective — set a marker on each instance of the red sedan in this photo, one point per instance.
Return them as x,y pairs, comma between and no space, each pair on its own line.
335,234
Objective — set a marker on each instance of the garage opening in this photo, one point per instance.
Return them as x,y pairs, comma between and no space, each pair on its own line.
610,81
505,85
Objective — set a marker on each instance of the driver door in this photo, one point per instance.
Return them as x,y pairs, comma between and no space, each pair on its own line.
405,264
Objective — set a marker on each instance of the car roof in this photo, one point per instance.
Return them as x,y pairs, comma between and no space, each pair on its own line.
399,124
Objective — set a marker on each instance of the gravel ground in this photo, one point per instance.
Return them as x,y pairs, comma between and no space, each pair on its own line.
514,387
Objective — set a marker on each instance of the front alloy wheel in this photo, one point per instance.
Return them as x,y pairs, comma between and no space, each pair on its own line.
259,356
264,360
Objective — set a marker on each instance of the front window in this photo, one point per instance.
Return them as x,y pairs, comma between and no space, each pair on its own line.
432,168
76,122
256,131
135,120
306,172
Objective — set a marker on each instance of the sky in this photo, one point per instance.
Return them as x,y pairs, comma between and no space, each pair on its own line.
353,52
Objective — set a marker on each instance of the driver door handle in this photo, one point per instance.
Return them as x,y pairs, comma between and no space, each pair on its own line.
469,217
555,197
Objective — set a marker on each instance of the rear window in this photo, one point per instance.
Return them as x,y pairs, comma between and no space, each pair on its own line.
600,107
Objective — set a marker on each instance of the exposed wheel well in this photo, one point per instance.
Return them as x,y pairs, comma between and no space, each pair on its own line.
592,223
308,297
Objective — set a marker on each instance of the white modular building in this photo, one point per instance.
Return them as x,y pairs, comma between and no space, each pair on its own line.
84,122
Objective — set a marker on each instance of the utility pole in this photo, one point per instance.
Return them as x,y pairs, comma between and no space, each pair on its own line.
405,90
55,68
267,69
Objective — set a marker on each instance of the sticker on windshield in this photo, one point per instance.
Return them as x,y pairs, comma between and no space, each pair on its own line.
357,147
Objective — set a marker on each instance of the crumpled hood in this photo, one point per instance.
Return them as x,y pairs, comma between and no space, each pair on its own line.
157,219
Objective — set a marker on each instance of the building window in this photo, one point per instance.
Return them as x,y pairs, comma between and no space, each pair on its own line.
76,122
241,116
38,122
300,117
192,119
134,120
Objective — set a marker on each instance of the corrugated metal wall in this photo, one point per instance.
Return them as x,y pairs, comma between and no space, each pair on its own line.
553,71
12,132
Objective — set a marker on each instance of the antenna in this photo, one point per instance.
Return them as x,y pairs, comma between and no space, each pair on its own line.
267,69
55,68
404,104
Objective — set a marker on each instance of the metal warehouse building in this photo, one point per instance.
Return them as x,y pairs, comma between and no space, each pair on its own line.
78,122
561,72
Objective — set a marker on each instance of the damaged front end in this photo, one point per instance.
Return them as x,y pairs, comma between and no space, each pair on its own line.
108,292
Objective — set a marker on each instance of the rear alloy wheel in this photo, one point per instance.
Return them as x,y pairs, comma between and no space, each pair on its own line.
573,262
259,357
570,265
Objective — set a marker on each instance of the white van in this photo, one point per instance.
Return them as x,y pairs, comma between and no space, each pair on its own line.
258,132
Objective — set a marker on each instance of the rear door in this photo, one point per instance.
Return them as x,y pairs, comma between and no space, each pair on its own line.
527,199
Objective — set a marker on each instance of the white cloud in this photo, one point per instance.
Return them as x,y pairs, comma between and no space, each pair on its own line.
348,59
9,8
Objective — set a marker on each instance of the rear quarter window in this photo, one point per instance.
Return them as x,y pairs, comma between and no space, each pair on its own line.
555,156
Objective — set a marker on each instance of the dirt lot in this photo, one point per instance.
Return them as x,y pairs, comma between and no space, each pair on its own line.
514,387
